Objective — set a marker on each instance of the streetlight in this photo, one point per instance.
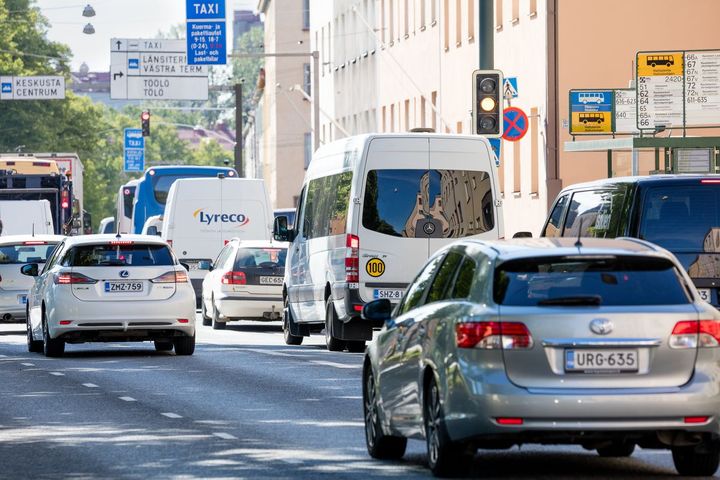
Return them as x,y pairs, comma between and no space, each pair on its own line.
89,29
88,11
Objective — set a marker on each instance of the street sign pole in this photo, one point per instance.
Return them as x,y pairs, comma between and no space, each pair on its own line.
239,130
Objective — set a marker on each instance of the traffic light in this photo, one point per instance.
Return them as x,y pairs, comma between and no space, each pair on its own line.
145,122
488,102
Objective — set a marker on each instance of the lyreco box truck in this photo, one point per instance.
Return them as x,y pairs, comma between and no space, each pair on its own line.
203,214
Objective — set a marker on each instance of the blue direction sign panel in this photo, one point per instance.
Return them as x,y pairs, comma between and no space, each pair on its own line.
591,111
134,151
515,124
206,32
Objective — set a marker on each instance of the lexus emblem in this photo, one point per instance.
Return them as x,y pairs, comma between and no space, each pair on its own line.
124,274
601,326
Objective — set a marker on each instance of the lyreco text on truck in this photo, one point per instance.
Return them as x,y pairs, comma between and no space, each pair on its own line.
203,214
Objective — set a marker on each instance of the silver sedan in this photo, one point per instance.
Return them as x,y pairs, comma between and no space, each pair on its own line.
601,343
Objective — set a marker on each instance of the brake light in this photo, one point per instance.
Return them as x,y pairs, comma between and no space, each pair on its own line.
694,334
171,277
352,259
234,278
696,419
72,279
493,335
121,243
710,181
65,199
509,421
34,242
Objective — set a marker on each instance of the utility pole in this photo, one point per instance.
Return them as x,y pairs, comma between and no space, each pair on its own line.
487,35
239,128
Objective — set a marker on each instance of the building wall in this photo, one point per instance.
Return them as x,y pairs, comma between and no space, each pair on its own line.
521,52
285,115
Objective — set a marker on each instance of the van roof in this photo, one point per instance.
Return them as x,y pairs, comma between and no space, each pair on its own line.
676,179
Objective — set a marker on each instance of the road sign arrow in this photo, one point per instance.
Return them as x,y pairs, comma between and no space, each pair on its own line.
118,43
116,75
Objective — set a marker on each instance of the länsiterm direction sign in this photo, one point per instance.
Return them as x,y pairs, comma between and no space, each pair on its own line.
32,88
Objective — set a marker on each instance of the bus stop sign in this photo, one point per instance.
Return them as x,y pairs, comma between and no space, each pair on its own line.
515,124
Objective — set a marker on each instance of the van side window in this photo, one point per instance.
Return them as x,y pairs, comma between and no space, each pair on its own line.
556,216
599,212
428,203
326,205
300,212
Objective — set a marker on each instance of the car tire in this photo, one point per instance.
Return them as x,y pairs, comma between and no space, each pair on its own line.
445,457
290,339
206,321
216,323
333,343
34,346
356,346
161,346
52,347
617,450
184,345
697,461
379,445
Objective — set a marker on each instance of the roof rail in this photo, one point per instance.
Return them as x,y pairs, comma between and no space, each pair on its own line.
650,245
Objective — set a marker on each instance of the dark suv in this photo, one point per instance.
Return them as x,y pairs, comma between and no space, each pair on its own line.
678,212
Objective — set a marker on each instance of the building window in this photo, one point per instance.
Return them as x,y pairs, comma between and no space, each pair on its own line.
517,179
533,9
392,117
422,14
391,18
407,19
458,23
407,114
306,14
498,15
515,12
534,153
307,78
423,112
458,128
384,119
308,149
471,20
382,20
433,99
446,24
433,12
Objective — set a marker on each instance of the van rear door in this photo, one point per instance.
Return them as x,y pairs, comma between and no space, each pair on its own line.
462,192
393,246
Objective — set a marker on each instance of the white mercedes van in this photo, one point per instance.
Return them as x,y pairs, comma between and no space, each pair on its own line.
373,208
203,214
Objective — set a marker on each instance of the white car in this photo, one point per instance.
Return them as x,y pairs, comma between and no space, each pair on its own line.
244,283
110,288
16,251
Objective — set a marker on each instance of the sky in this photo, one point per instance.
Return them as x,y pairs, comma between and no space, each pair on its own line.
115,19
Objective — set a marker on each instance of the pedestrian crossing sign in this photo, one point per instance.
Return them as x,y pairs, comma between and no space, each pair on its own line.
510,89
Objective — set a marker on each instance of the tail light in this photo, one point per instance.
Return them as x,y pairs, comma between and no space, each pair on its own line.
493,335
121,243
34,242
73,279
352,259
65,199
694,334
234,278
169,242
171,277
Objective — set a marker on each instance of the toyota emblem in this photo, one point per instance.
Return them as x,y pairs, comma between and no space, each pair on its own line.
124,274
601,326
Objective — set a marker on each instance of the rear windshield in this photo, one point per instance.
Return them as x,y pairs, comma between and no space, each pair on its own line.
261,258
682,218
428,203
22,254
128,198
162,183
112,255
578,281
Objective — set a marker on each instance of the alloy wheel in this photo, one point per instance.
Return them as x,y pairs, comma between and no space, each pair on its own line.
432,427
371,413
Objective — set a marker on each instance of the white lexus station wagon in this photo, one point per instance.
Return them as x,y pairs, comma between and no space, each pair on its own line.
110,288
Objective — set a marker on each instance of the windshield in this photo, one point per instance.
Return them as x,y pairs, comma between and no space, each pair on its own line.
162,183
118,255
260,257
21,253
611,280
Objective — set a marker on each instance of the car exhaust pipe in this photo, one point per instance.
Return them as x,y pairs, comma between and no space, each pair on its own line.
7,317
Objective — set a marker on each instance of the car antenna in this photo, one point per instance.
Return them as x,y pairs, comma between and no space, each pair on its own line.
578,243
33,229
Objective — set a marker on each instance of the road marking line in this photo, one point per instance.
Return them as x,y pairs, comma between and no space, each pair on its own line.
3,356
28,364
171,415
127,399
225,436
57,374
333,364
90,385
304,358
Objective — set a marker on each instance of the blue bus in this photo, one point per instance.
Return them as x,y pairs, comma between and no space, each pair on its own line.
152,190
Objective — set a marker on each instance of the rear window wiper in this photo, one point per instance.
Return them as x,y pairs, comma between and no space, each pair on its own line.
590,300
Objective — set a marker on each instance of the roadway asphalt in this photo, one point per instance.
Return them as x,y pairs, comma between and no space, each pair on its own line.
244,406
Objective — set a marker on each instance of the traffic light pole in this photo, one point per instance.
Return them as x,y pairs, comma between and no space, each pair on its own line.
238,130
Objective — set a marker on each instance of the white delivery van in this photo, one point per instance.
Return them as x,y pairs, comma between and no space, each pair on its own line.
203,214
24,217
372,209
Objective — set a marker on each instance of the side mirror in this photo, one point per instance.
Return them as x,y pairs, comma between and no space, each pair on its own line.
31,269
522,235
153,231
281,232
380,310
